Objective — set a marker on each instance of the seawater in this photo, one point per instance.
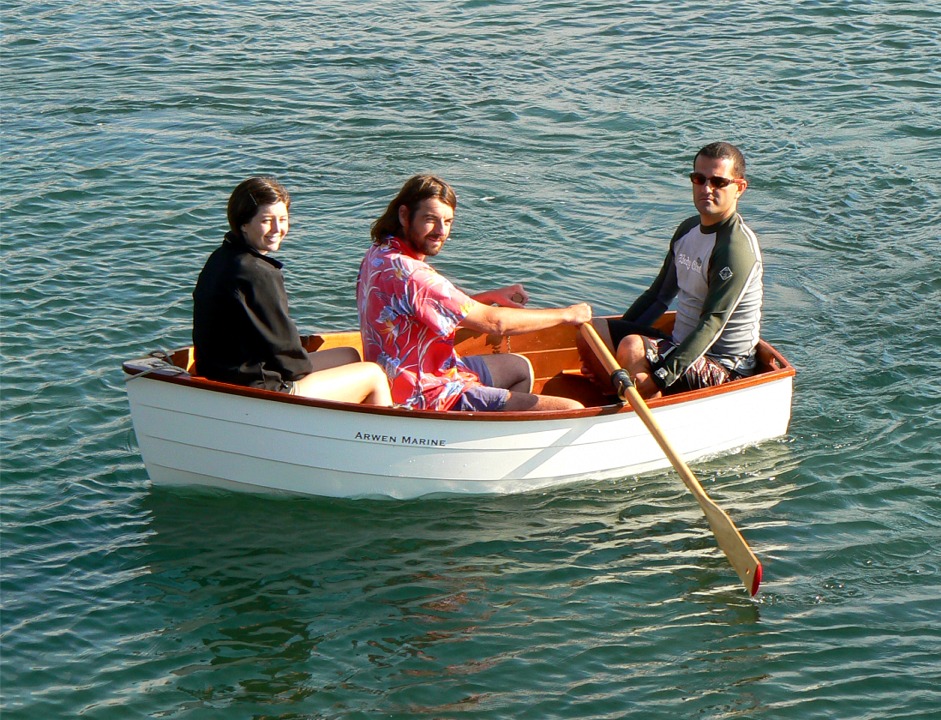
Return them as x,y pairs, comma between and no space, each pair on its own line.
568,129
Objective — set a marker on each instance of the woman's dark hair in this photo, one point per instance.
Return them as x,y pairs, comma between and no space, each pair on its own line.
415,189
719,150
252,194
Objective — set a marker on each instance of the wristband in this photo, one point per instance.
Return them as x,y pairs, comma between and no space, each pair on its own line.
658,374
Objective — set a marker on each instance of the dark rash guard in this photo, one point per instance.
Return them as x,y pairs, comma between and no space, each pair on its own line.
715,274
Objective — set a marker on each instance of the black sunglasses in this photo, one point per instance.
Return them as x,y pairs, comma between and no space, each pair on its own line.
716,181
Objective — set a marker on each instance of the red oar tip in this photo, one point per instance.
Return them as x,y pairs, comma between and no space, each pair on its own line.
756,581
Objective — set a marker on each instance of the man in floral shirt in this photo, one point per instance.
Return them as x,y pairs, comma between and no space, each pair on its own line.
409,315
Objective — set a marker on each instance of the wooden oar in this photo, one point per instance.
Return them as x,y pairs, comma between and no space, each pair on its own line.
728,537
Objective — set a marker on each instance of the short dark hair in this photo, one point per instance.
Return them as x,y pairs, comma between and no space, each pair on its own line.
416,189
724,150
249,195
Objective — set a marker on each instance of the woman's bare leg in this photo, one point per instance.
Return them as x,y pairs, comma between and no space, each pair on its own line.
326,359
363,382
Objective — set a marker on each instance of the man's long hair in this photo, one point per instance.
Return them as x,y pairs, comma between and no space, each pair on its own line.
413,192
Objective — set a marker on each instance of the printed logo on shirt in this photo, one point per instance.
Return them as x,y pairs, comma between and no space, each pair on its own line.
726,273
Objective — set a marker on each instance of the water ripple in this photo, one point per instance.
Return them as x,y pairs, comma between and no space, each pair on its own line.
567,130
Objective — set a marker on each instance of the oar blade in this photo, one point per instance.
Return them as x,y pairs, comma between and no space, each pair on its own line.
729,539
736,550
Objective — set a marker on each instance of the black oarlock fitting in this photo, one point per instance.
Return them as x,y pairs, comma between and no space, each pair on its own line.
621,380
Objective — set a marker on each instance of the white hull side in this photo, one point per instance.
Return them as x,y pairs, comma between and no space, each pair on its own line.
191,435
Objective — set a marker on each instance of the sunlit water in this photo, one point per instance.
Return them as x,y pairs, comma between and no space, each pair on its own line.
567,129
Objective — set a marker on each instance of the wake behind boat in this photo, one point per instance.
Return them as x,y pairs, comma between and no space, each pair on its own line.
194,431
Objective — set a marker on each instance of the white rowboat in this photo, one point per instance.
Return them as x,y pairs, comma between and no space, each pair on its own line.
193,431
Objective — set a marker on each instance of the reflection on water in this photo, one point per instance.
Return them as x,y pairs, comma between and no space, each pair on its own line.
297,599
318,595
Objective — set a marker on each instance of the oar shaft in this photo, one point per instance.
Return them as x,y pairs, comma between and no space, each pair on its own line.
727,536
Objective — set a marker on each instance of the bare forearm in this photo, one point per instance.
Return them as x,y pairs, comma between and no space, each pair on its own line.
514,321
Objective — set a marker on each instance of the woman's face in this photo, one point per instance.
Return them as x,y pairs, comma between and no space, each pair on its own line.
267,229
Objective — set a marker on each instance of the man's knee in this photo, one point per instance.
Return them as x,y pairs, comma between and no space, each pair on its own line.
631,350
510,371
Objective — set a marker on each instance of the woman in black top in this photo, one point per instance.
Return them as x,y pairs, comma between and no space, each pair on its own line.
242,330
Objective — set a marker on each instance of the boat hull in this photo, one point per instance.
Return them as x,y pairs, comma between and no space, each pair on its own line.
196,432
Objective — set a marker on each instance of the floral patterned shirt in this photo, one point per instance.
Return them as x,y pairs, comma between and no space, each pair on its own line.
408,316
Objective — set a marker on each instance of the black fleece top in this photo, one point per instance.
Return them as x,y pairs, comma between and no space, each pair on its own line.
242,331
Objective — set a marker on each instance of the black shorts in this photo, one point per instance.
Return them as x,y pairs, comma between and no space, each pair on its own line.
705,372
620,329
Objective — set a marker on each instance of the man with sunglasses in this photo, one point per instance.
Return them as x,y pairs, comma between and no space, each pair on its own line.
713,269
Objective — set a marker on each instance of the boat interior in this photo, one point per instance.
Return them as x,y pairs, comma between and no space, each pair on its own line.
558,356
